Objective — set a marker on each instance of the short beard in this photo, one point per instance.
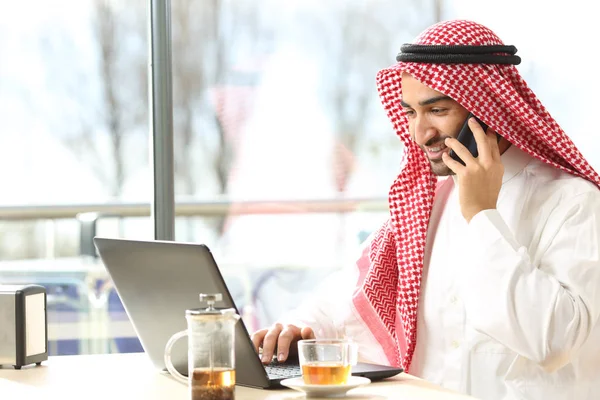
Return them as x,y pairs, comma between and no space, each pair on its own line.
439,168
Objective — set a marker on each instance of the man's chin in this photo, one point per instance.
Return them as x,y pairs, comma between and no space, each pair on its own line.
439,168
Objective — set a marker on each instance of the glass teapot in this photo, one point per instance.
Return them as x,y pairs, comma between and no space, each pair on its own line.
211,351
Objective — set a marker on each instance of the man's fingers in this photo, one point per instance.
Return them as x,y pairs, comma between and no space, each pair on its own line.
257,338
461,151
483,147
288,335
270,342
279,338
494,145
307,333
451,163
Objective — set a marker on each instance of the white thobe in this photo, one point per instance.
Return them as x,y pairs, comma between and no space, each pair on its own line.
510,302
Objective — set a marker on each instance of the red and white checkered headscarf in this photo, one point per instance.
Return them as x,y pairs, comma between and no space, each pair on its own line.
391,267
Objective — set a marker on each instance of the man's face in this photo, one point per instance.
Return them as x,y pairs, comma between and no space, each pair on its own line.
432,117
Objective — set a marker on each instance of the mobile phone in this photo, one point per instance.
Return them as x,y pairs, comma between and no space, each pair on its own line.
466,137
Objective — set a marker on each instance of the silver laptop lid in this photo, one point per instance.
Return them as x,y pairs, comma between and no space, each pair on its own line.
156,282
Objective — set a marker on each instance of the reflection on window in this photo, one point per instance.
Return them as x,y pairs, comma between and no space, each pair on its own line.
283,154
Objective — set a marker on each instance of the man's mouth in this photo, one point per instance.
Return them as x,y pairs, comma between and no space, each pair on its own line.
434,153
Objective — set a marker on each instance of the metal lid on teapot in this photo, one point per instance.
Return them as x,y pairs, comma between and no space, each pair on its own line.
210,310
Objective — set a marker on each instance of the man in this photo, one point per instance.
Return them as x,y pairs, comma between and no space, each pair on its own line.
486,282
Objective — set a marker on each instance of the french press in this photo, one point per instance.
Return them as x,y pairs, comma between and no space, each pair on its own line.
211,351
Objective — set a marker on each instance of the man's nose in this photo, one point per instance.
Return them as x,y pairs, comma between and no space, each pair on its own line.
424,131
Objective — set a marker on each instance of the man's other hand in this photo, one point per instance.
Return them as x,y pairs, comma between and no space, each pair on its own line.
280,338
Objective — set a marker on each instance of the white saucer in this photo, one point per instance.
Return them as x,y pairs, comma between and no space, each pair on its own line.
325,390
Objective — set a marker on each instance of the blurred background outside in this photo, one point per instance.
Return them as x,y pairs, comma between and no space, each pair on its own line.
283,154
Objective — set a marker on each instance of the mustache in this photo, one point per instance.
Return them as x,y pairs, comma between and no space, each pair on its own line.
436,141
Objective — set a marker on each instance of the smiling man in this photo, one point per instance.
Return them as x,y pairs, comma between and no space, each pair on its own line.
433,118
486,282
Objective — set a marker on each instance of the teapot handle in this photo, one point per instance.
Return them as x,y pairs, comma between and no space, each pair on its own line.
168,362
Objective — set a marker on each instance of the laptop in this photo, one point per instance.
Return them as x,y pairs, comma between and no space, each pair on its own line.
158,280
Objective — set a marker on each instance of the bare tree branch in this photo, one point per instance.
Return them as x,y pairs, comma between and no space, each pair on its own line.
111,104
207,36
108,46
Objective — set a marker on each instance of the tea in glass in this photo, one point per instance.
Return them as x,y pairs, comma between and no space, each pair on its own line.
327,361
326,373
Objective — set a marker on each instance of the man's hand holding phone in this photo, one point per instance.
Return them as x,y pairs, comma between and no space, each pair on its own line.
466,137
479,179
280,338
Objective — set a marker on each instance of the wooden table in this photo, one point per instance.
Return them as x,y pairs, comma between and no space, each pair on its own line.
132,376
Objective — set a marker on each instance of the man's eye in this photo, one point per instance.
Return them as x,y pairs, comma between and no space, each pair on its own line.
437,110
409,113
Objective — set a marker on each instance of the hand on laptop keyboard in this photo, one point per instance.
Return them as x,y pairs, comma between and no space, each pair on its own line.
282,338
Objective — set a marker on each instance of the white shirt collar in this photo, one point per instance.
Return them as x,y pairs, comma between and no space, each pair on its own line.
515,160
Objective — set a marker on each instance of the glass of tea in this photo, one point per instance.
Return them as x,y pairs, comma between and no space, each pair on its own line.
327,361
211,346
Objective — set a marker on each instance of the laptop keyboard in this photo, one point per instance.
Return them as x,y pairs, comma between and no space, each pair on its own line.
276,370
